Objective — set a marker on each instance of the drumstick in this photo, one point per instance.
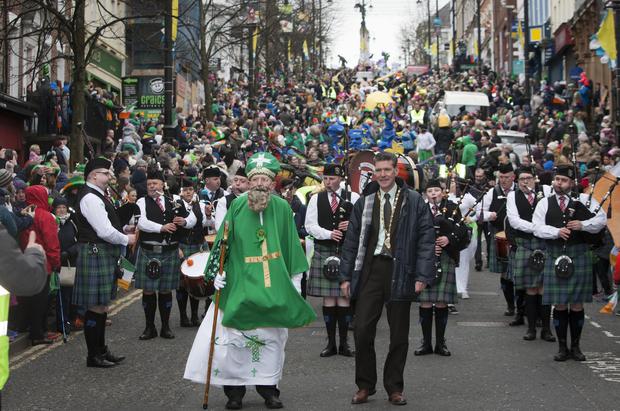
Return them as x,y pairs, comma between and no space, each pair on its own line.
224,240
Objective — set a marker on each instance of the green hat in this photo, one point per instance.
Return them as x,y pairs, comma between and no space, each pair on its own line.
79,168
263,163
75,181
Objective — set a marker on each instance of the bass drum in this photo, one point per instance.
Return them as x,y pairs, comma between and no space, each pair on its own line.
408,172
361,169
193,279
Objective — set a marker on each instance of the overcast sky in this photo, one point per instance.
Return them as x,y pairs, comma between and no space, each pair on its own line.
383,21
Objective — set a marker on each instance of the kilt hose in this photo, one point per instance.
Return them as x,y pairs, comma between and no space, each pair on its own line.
318,285
445,290
169,272
495,265
575,289
95,279
519,263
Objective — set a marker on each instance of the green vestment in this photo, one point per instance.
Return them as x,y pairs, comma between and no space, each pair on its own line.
252,299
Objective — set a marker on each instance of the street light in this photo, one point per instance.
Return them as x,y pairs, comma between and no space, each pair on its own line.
430,58
437,24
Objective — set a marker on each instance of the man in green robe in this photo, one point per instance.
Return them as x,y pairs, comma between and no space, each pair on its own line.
260,292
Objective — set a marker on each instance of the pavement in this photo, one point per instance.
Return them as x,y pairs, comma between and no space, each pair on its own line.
491,367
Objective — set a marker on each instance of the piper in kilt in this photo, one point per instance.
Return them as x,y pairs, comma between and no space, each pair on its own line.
520,231
451,239
157,264
493,210
566,224
191,241
327,219
100,237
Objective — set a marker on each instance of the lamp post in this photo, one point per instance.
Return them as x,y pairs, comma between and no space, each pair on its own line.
430,57
526,47
479,40
614,5
437,24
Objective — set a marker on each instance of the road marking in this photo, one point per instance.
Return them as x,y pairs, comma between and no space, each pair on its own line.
605,365
595,324
482,323
35,352
610,335
491,293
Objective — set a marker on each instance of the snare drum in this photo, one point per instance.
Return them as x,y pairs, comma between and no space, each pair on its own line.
193,279
503,246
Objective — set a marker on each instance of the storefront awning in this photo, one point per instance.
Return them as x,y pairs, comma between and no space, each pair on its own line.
16,106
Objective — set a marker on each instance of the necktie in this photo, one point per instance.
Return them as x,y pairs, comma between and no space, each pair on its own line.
562,203
387,211
530,198
160,204
387,215
334,203
434,209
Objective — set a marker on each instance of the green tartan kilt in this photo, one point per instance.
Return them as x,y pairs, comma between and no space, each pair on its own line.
577,288
445,290
95,280
495,265
519,264
169,273
318,285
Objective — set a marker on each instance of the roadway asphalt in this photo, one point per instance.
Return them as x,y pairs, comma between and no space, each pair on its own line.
491,367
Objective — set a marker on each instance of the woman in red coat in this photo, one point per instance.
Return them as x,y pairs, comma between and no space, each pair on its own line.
46,229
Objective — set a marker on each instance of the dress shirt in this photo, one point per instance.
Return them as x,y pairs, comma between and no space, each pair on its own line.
312,216
512,212
93,210
484,205
381,236
547,232
148,226
425,141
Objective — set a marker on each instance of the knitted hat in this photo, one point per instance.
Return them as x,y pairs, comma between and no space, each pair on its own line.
262,163
5,177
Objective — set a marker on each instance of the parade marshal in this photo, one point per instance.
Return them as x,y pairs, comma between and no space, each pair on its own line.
260,292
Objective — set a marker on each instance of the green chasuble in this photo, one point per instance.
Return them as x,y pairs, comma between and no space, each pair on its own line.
260,261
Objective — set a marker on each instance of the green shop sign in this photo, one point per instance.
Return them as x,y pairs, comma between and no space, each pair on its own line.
144,92
107,62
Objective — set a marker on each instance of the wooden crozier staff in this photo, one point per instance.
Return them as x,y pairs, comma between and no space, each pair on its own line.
223,247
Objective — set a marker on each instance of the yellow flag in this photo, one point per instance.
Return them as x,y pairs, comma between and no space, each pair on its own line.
607,35
254,40
175,18
290,52
305,47
520,35
434,49
475,48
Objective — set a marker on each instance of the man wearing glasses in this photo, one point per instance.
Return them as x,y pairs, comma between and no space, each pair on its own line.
100,237
520,230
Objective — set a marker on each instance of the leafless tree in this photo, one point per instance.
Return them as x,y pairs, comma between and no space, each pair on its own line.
66,23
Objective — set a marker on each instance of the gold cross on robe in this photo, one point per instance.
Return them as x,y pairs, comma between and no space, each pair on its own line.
264,258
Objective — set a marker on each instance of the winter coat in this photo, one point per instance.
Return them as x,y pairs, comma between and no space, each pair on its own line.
44,225
414,257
